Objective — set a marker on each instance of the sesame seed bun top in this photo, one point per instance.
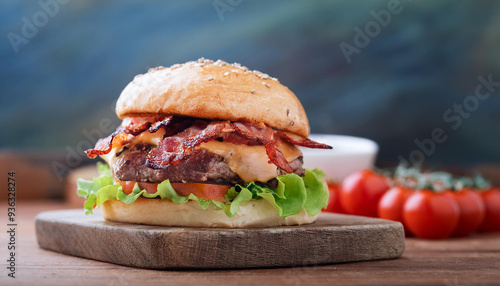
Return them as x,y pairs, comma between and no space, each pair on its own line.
214,90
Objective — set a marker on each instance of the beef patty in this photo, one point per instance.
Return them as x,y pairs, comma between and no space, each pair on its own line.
200,166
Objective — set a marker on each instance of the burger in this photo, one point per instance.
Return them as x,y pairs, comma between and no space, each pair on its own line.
206,144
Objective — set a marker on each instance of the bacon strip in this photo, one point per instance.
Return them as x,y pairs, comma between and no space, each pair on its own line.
125,134
235,138
139,124
304,142
266,137
178,125
157,125
173,149
183,135
103,146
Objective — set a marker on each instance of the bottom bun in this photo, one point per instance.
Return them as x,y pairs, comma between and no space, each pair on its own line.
256,213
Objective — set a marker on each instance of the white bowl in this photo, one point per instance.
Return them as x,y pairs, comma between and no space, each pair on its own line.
349,154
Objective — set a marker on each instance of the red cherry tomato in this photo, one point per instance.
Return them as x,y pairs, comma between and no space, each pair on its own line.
391,204
361,191
431,215
472,211
491,200
334,205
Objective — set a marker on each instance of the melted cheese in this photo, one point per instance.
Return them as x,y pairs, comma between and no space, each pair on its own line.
110,157
251,163
149,138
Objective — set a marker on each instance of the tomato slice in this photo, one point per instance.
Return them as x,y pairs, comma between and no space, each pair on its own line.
204,191
149,187
127,186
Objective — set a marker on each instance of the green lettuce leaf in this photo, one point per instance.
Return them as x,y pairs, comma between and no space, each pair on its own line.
316,191
293,193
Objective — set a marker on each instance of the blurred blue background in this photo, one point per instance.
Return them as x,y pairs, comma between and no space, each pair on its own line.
62,65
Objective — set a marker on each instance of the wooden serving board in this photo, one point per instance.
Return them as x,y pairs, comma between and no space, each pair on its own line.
334,238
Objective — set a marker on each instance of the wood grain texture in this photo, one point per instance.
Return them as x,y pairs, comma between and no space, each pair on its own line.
464,261
332,239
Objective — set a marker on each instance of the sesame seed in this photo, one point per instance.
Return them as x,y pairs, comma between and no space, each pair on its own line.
237,68
253,90
292,123
287,112
210,78
156,69
220,63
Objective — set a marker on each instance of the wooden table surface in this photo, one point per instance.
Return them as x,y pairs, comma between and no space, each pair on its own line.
471,260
